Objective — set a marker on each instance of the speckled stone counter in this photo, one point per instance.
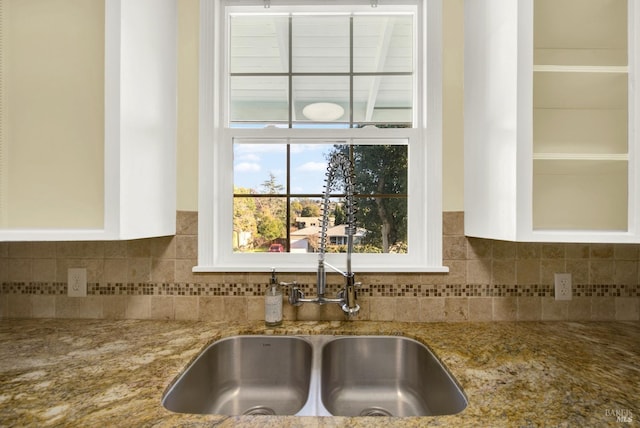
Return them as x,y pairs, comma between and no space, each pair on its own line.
114,373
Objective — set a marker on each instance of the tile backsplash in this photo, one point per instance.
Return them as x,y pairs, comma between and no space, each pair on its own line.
488,281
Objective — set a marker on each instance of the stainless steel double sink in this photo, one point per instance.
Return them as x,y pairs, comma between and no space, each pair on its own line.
316,376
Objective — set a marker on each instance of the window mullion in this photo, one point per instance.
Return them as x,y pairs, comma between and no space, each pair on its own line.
290,72
288,192
351,72
288,202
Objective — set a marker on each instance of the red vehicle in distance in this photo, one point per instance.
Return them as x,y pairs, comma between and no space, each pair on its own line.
276,248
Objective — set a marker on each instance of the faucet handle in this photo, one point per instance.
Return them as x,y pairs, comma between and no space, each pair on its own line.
295,295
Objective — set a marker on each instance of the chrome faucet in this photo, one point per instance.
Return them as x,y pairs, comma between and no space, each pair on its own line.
347,297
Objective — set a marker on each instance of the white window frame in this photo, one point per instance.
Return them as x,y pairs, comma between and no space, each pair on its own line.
215,199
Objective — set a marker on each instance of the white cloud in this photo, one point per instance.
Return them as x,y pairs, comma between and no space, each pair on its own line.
312,167
249,157
247,167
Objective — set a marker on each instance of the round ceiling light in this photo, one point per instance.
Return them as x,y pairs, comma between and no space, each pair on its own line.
323,112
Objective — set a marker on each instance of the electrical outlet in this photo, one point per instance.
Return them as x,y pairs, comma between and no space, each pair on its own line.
563,286
77,282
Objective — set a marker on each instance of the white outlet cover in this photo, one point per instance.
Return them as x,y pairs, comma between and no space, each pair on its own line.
562,286
77,282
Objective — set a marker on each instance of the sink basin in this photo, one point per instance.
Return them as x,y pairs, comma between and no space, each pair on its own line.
386,376
250,375
317,375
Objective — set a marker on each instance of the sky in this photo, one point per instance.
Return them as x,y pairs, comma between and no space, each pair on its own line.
254,162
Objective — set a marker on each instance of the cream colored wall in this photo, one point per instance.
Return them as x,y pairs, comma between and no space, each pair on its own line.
188,105
453,135
53,127
187,162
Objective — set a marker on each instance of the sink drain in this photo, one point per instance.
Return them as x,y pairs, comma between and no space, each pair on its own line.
259,410
375,411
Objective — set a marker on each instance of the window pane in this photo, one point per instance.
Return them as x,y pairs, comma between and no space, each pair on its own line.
262,98
328,90
306,226
385,222
320,44
383,99
380,177
259,224
260,168
308,168
259,44
381,169
305,223
382,44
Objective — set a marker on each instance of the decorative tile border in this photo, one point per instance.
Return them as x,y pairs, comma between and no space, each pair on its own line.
487,280
373,290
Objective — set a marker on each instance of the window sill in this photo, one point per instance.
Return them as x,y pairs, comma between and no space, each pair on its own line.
313,268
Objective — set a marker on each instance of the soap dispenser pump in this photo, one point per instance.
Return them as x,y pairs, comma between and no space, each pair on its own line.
273,302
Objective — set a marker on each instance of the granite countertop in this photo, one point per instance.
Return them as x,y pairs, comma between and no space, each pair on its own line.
114,373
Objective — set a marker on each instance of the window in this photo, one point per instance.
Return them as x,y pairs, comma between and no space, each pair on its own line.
282,87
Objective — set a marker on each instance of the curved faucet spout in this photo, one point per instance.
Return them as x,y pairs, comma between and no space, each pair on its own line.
347,297
339,163
339,166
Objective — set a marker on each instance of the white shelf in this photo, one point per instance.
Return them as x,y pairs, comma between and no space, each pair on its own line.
550,68
580,57
581,157
582,167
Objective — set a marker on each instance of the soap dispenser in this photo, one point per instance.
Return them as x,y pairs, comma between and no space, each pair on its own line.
273,302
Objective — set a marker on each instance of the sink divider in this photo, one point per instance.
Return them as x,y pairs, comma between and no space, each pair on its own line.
314,405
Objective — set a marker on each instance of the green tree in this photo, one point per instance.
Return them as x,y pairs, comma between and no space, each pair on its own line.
296,210
270,228
270,212
274,207
380,171
339,214
311,210
271,186
244,215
